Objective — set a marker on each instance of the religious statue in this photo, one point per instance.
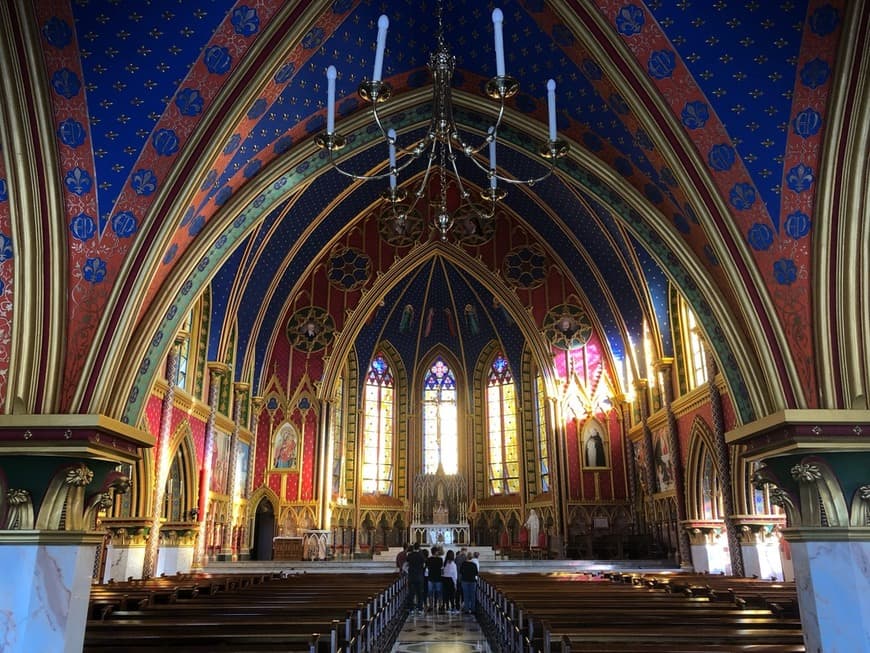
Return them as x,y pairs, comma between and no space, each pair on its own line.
533,525
440,515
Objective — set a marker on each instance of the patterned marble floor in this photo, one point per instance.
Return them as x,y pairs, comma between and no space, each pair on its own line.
443,633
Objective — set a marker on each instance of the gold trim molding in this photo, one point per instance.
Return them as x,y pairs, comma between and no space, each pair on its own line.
826,534
52,538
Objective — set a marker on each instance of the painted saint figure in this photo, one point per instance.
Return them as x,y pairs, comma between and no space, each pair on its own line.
284,456
594,451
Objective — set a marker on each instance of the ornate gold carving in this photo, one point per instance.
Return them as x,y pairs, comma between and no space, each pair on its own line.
79,476
778,497
20,514
806,473
16,497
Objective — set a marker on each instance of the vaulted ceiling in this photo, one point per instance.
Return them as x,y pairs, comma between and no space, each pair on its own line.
183,137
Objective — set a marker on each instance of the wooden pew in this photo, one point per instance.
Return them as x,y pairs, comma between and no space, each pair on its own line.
535,612
347,612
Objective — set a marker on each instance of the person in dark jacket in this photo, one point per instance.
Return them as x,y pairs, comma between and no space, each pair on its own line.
468,579
416,569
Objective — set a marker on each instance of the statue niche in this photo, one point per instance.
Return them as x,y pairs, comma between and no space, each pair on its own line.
440,512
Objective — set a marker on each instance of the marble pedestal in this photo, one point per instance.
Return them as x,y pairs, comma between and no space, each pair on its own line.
44,589
710,559
174,560
833,583
124,561
762,560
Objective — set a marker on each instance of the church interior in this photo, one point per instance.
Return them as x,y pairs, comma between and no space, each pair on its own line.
564,280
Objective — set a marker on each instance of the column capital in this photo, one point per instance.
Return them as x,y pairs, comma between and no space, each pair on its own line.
217,368
663,364
817,464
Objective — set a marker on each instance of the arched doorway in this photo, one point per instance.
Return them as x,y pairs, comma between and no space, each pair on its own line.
264,530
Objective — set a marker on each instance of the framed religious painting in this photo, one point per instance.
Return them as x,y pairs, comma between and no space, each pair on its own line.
594,445
285,451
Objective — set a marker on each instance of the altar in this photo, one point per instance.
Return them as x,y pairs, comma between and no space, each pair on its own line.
445,534
440,510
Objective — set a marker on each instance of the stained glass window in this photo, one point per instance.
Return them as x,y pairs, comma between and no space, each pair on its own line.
378,429
338,436
697,359
711,492
501,404
541,427
440,421
180,380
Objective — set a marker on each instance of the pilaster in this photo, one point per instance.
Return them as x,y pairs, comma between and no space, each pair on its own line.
663,369
216,372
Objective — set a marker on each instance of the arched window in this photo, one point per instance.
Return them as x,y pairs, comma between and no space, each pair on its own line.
174,499
180,380
696,363
440,423
338,437
541,432
501,416
711,489
378,428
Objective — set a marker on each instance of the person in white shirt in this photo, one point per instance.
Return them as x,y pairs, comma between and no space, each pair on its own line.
449,578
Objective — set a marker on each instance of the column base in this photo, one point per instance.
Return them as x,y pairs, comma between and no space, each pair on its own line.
45,587
833,584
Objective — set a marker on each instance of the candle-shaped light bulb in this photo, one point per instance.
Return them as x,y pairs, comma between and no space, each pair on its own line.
383,24
330,99
497,20
391,136
551,106
492,180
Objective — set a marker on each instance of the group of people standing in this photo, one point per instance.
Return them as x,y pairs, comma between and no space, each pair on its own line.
439,582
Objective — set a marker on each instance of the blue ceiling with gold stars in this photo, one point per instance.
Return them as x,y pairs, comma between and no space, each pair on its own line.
644,90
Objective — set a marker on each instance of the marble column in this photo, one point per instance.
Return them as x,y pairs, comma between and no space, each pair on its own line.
57,476
817,464
44,589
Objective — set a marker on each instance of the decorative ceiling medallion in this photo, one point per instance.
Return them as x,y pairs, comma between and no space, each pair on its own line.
469,228
526,267
567,326
310,329
349,268
400,230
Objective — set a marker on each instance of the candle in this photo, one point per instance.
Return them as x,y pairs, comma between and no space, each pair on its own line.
492,180
551,106
391,136
497,20
383,24
330,100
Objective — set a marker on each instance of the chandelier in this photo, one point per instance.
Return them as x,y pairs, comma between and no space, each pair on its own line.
442,143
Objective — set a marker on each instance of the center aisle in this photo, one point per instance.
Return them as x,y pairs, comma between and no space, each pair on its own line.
441,633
